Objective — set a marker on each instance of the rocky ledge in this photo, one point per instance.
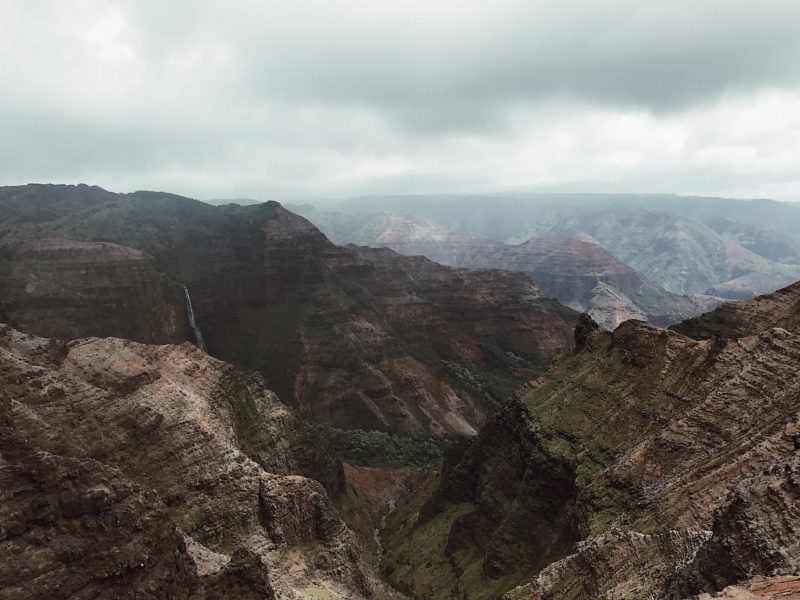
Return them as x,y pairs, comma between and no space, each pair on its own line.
135,471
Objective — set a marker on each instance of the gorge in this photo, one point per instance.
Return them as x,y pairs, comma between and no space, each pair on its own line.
144,453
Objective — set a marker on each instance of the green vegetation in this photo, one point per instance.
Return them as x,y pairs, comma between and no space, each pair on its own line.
419,561
595,402
575,423
475,383
381,449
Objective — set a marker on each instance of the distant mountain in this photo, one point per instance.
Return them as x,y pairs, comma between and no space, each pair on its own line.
688,245
581,275
353,337
684,256
759,225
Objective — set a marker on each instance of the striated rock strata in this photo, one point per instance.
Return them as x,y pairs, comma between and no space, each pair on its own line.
134,471
69,289
645,465
748,317
352,337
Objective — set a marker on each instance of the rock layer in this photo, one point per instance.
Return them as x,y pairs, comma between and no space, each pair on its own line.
69,289
157,471
748,317
644,446
352,337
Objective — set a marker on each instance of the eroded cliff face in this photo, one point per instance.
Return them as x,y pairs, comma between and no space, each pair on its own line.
419,348
672,460
351,337
68,289
157,471
748,317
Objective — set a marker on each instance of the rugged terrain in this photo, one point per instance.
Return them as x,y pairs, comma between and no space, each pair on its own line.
645,463
581,275
749,317
353,337
688,245
138,471
635,468
69,289
682,255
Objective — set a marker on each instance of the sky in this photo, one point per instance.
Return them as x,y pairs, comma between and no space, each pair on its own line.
297,99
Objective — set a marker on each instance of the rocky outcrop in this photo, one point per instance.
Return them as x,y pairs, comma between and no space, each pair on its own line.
756,532
786,587
157,471
68,289
643,446
351,337
740,319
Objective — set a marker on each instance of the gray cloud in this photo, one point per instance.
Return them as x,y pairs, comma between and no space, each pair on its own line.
283,98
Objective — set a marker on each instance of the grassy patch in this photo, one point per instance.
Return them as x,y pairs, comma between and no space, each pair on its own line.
416,558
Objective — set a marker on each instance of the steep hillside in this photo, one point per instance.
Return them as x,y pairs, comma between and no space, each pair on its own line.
353,337
69,289
579,274
142,471
740,319
633,469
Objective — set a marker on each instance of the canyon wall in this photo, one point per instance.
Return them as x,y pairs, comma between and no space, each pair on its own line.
644,464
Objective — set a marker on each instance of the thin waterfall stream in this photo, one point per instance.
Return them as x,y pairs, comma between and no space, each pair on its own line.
198,337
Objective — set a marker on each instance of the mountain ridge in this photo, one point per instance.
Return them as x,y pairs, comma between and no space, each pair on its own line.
631,465
353,337
580,274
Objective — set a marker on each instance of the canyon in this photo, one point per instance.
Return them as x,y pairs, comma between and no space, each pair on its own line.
688,245
211,402
351,337
635,468
579,274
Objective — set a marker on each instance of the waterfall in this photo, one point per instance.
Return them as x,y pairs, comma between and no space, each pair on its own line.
198,337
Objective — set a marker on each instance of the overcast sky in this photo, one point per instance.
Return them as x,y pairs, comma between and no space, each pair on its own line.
299,98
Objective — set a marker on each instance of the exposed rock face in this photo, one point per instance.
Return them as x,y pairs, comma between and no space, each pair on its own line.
352,337
157,471
739,319
584,331
434,349
68,289
756,532
786,587
580,274
644,445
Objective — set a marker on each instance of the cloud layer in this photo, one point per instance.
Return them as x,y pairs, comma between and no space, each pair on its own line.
285,99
